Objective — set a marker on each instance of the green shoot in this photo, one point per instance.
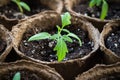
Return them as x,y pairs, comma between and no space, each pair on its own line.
61,46
21,5
17,76
104,7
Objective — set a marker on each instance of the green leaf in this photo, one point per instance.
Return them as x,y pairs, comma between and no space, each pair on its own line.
66,19
65,30
17,76
25,6
98,2
92,3
54,37
67,38
76,37
58,27
61,49
104,10
39,36
15,1
18,0
18,4
57,45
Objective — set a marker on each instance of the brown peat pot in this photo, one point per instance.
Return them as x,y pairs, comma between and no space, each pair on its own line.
110,42
82,9
47,21
10,14
5,42
28,71
4,2
101,72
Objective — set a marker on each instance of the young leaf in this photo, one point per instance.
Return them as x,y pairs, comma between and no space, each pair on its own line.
39,36
15,1
18,0
66,19
75,36
98,2
21,5
54,37
92,3
58,27
65,30
67,38
17,76
61,49
25,6
104,10
18,4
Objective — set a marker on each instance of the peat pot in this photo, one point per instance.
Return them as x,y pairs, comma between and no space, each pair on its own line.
5,42
10,14
101,72
110,42
28,71
78,59
81,8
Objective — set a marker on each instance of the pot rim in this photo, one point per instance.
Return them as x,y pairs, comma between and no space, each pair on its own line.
8,41
58,9
24,64
99,70
106,30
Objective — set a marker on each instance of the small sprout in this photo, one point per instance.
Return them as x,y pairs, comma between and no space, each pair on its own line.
17,76
21,5
61,46
104,7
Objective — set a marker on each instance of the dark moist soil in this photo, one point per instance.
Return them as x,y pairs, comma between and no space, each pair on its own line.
25,75
112,41
116,77
43,49
12,11
2,46
113,12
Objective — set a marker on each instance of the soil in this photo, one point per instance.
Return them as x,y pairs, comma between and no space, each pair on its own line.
43,49
25,75
116,77
112,41
2,46
113,12
12,11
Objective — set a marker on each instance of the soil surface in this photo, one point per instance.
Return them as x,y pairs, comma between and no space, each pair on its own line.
113,12
43,49
112,41
12,11
117,77
25,75
2,46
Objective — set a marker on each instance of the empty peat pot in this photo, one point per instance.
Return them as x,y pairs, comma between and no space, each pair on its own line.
5,42
101,72
110,42
79,58
28,71
10,14
81,8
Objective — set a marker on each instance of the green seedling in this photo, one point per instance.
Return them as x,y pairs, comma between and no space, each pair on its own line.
104,7
17,76
21,5
61,47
